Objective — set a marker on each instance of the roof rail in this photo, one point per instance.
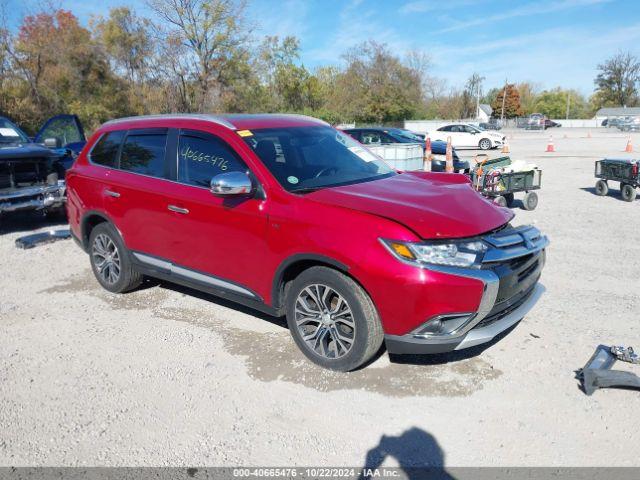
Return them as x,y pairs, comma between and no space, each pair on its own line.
176,116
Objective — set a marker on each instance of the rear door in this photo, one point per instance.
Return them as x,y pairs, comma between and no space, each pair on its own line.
134,193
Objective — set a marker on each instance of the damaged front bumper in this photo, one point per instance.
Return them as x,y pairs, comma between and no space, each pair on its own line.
41,197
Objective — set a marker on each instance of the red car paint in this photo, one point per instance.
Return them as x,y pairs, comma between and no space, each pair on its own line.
248,241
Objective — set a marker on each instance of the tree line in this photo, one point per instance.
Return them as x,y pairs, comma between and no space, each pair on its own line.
203,56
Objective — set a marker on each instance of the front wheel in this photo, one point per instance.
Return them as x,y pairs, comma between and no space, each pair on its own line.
628,192
602,188
333,320
485,144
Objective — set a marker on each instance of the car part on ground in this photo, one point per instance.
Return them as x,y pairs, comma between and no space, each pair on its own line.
35,239
625,171
597,372
307,224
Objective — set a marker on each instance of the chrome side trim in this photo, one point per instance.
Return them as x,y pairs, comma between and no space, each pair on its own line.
485,334
191,274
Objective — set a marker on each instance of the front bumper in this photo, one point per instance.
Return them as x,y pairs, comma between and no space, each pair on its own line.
39,197
510,274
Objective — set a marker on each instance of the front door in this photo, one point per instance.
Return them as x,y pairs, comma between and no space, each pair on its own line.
217,241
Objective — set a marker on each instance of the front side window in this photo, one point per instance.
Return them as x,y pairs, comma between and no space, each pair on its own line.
144,154
315,157
105,152
201,158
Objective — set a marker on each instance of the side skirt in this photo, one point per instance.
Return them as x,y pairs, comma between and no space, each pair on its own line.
164,270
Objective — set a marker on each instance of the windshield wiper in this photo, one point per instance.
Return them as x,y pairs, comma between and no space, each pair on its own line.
305,189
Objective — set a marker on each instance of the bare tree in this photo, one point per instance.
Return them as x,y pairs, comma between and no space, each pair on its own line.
213,31
618,79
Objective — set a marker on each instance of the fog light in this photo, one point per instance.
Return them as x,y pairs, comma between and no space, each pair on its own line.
443,325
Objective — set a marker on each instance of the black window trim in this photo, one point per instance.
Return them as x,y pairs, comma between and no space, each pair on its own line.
170,147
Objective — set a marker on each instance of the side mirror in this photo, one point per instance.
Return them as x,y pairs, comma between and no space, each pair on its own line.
53,142
231,184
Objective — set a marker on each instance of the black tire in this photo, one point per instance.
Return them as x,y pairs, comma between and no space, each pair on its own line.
510,198
367,336
500,200
485,144
127,278
530,201
628,192
602,188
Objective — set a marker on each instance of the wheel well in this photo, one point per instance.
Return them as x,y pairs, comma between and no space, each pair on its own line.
88,224
286,275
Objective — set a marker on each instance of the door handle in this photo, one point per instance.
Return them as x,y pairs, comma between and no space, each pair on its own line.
111,193
176,209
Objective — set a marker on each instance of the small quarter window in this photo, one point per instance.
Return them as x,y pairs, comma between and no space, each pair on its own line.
105,152
144,154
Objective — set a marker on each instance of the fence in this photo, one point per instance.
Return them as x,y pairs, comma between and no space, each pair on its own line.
423,126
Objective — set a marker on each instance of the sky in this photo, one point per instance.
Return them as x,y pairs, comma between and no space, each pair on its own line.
548,42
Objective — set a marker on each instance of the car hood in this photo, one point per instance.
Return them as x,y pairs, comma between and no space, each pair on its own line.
432,205
24,151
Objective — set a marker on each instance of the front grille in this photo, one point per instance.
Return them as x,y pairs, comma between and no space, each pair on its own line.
21,173
516,256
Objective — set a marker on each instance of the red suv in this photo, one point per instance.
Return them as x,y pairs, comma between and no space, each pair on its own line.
287,215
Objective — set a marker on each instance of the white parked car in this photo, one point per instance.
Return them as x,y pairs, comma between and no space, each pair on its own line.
464,135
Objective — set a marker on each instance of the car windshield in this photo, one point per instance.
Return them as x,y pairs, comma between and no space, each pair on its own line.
309,158
10,133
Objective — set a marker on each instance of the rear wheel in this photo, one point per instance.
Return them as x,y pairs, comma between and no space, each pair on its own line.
602,188
530,201
333,320
628,192
485,144
110,260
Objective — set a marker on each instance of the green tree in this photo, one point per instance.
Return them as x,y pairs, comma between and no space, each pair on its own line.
553,103
618,80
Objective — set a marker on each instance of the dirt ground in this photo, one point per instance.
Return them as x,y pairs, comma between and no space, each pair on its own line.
167,376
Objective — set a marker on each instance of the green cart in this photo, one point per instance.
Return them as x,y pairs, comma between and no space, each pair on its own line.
502,186
618,170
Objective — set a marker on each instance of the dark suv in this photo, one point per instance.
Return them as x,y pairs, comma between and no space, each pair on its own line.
289,216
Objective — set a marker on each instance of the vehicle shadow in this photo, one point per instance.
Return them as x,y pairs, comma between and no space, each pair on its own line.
417,453
613,192
29,221
430,359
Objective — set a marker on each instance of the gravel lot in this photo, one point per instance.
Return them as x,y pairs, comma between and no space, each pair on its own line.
167,376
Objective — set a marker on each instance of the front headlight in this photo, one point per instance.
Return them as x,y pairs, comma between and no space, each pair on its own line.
452,253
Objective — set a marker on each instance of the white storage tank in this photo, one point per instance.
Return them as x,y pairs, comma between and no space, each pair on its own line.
401,156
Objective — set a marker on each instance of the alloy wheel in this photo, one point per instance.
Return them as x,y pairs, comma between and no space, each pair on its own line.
106,258
325,321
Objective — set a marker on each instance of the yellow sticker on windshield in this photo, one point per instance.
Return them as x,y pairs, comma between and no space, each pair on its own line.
245,133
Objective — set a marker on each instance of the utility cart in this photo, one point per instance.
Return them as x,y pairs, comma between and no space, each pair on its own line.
625,171
502,186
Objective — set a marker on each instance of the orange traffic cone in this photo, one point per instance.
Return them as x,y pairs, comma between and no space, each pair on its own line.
426,164
550,146
449,157
505,147
629,147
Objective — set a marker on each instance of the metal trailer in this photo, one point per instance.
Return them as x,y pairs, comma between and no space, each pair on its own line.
625,171
501,186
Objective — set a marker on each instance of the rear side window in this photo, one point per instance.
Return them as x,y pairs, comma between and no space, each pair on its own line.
105,151
202,158
144,154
